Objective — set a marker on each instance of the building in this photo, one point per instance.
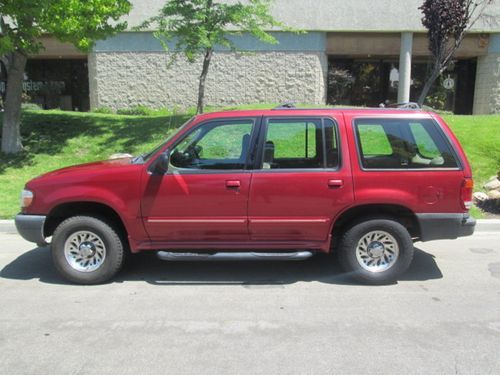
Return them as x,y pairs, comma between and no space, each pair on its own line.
360,52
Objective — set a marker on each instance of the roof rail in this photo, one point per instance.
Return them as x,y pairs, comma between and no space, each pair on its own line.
286,105
407,105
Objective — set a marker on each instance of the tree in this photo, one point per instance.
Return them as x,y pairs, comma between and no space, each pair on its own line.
447,22
197,26
24,21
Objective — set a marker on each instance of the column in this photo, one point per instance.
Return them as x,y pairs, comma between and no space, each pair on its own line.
405,67
487,90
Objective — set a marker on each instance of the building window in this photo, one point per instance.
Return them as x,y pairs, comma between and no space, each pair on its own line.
370,82
53,83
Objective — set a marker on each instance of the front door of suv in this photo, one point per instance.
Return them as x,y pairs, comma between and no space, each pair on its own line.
204,194
301,180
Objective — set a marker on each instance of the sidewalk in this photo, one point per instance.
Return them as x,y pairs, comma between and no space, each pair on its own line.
484,225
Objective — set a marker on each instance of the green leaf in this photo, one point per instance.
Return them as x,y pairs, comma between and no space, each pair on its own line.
75,21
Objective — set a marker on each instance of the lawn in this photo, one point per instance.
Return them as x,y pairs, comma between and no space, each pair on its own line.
54,139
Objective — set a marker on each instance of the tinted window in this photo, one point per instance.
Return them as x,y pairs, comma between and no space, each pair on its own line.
374,140
402,144
300,143
215,145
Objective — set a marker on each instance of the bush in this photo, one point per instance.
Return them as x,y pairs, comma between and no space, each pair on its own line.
30,107
103,110
138,110
142,110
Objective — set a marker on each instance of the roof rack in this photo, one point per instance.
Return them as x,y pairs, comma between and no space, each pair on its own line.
286,105
407,105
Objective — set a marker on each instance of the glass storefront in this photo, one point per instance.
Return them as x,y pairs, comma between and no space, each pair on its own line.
54,83
369,82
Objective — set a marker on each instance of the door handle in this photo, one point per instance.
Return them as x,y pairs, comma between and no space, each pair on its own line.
335,183
233,183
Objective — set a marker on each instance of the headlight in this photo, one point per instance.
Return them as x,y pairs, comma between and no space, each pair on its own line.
26,198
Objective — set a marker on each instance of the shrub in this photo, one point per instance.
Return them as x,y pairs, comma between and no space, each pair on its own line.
103,110
30,107
138,110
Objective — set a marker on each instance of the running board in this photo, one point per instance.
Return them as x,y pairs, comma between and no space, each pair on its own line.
234,256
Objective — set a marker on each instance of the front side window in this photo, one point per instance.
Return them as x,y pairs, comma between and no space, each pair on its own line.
296,143
215,145
402,144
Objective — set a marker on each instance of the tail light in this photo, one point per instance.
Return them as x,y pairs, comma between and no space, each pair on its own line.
466,193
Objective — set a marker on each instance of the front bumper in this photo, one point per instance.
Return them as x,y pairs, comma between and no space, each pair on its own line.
30,227
445,226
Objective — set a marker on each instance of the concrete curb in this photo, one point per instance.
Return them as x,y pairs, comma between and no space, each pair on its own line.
484,225
7,226
488,225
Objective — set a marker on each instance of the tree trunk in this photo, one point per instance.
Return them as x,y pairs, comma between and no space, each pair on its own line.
428,84
11,132
203,77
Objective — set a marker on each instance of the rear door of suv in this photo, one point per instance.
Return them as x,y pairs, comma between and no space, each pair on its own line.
301,179
406,159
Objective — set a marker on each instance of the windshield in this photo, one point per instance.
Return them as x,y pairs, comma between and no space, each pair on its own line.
142,158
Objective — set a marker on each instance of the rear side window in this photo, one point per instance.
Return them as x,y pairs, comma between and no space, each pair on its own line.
298,143
403,144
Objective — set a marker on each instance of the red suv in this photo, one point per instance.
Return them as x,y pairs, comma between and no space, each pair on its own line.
266,184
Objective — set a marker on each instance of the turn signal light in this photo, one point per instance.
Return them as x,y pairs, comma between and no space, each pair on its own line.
466,193
26,198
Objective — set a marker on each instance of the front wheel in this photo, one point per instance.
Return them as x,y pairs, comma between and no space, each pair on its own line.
376,251
87,250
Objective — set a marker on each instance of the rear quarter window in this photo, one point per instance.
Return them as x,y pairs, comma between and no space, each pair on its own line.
403,144
374,140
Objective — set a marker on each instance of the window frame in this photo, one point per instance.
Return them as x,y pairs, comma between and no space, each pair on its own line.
258,160
256,123
405,132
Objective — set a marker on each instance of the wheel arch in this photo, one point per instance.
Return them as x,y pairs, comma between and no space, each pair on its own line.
96,209
352,215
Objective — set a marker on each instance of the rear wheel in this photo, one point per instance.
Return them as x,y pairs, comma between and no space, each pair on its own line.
376,251
87,250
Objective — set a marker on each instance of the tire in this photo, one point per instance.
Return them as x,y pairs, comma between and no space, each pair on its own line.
87,250
376,251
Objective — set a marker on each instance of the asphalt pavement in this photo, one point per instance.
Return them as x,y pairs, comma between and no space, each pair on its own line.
442,317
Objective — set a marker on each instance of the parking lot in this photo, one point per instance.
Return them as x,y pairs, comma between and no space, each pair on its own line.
443,317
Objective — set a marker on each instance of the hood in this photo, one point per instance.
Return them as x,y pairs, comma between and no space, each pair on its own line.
89,167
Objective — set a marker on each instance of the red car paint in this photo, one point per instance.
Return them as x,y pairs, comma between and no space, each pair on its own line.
254,208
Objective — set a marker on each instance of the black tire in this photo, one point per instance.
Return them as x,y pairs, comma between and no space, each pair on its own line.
114,250
348,247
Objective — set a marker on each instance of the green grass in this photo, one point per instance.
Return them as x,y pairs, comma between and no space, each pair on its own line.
480,138
54,139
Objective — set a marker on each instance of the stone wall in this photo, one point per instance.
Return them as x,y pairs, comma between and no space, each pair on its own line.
126,79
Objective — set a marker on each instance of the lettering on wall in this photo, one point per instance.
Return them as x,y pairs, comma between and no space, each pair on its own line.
36,86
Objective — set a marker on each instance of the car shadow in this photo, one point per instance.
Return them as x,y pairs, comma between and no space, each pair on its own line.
146,267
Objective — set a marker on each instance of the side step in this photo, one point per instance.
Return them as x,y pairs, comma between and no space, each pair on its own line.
232,256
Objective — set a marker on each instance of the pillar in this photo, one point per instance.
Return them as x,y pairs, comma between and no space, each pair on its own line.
405,67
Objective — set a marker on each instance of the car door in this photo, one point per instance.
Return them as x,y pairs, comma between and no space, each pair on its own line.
204,194
408,161
301,182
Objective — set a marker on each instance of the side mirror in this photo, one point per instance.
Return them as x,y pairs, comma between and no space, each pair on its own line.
160,166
